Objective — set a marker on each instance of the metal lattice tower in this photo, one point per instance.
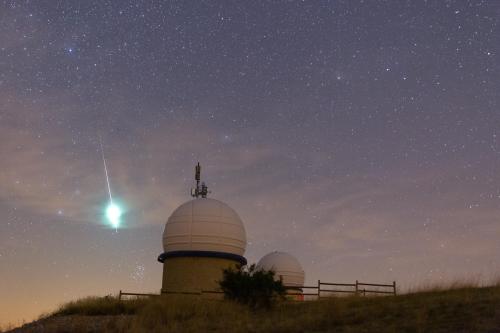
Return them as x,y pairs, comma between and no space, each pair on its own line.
201,190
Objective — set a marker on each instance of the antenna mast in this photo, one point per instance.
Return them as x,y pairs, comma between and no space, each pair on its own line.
201,190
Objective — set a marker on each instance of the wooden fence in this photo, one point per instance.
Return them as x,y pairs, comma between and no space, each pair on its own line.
122,293
328,289
137,295
321,290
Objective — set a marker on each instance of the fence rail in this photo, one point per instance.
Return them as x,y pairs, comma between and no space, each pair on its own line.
374,284
337,284
338,291
357,288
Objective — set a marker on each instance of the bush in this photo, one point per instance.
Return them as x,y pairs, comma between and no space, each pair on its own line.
251,286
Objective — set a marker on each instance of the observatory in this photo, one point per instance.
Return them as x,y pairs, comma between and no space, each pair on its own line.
202,237
285,266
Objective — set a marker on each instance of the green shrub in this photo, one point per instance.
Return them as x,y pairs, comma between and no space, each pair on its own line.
251,286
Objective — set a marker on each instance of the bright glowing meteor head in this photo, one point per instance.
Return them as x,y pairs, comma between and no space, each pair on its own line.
113,213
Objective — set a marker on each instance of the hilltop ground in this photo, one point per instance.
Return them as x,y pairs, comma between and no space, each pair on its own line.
465,309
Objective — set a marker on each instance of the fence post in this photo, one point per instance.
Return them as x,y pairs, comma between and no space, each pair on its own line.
357,288
120,295
394,286
319,288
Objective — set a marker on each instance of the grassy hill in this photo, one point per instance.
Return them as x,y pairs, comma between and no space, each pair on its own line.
465,309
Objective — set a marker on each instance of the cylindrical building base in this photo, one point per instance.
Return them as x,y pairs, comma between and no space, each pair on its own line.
194,274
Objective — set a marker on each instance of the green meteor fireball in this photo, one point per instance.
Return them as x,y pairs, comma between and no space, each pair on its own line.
113,214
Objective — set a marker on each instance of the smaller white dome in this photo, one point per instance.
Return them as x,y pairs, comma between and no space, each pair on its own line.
285,266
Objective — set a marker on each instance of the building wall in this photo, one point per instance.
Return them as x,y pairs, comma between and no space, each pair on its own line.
194,274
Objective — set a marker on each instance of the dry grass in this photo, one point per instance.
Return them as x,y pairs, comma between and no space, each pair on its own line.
472,282
463,309
97,306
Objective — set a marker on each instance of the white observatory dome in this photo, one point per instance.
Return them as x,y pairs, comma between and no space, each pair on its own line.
285,266
204,225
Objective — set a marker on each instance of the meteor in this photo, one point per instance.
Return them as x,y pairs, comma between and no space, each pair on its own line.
113,211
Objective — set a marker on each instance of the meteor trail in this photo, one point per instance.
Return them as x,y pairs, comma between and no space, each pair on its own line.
106,171
113,212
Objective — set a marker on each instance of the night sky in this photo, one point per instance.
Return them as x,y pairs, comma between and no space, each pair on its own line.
363,137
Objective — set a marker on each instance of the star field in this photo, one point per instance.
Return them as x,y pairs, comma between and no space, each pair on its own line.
360,136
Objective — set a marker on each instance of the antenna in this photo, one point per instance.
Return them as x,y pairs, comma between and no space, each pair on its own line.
201,190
